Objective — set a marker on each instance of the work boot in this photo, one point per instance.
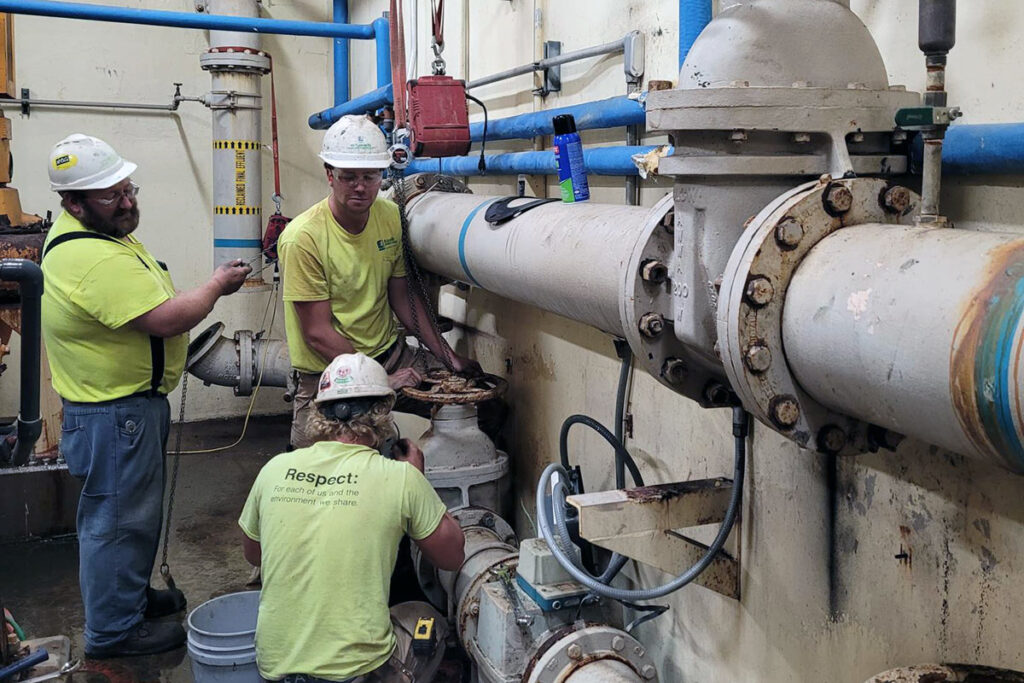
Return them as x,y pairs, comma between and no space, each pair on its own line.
162,603
148,638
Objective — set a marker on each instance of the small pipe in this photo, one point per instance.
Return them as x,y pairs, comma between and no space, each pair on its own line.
596,51
371,101
215,22
383,37
609,113
611,161
29,277
694,15
173,106
341,55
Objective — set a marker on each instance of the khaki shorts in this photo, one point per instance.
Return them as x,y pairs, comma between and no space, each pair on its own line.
305,385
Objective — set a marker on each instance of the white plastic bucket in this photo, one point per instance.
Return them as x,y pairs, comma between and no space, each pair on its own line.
222,639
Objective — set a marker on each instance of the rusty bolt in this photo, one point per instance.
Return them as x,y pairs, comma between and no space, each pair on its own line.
651,325
759,291
474,609
659,85
654,271
648,671
618,642
789,232
896,200
574,651
674,370
831,439
758,358
668,221
801,137
838,199
785,411
421,182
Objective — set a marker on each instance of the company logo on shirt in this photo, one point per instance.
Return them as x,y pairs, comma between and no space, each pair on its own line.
386,244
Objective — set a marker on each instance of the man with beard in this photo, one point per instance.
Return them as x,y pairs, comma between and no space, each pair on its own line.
116,334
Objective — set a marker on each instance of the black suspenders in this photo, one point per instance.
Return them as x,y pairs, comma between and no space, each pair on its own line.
156,344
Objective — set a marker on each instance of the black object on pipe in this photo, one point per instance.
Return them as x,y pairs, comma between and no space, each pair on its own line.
29,277
626,355
936,28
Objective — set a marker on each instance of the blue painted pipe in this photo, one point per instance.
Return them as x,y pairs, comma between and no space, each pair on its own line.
383,38
371,101
694,15
980,149
215,22
610,113
341,52
615,161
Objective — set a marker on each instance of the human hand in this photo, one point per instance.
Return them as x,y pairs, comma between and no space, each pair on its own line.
406,451
230,276
404,377
467,366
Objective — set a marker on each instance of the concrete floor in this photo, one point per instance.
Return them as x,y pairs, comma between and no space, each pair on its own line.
39,579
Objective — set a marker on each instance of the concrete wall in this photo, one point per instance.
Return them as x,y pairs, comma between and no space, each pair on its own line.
824,595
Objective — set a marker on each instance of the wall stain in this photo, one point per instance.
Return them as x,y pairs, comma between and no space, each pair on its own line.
984,527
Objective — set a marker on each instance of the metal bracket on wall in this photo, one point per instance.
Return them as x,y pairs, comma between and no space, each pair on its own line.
24,102
552,74
643,524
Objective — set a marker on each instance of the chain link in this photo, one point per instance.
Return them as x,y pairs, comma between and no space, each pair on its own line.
417,289
165,570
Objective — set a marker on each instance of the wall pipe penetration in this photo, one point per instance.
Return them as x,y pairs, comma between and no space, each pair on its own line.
29,426
612,161
211,22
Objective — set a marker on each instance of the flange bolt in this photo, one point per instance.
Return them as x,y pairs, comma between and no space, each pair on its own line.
785,411
574,651
838,199
896,200
674,370
759,291
758,358
653,271
648,671
788,233
651,325
831,439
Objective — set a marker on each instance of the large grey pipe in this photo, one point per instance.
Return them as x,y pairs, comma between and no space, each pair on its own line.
30,285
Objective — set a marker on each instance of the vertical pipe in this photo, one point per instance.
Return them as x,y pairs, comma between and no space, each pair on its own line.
383,41
30,283
341,59
694,15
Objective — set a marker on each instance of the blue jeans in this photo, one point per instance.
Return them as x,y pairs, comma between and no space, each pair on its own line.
117,449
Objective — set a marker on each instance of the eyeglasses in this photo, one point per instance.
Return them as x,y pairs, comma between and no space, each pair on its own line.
130,192
354,179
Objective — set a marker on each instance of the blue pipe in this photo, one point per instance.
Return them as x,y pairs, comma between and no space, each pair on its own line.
694,15
616,161
214,22
371,101
610,113
341,53
383,38
980,149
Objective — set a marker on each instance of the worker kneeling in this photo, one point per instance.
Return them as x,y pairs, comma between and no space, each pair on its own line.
324,523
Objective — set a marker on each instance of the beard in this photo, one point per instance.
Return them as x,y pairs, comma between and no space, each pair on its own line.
122,222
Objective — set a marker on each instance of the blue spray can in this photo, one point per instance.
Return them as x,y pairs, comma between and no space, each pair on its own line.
572,174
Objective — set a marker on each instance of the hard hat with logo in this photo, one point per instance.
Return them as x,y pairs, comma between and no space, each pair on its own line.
353,375
355,142
82,162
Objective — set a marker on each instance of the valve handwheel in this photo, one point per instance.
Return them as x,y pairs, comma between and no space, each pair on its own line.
444,387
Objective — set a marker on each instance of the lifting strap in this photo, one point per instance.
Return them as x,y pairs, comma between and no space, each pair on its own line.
398,76
500,212
156,344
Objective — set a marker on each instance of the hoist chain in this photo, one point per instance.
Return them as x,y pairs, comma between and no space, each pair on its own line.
165,570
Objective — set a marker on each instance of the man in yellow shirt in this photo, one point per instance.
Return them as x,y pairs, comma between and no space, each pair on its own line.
344,276
115,331
324,524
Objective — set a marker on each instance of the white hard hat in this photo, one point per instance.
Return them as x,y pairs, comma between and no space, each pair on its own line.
82,162
355,142
353,375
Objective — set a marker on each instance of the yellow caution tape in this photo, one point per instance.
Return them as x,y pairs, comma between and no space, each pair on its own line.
236,144
238,210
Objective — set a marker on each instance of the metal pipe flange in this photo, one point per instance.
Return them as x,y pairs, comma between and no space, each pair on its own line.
754,293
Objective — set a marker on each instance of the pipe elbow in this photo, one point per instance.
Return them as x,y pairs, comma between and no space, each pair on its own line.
27,274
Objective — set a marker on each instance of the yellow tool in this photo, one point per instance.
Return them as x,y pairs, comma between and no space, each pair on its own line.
423,637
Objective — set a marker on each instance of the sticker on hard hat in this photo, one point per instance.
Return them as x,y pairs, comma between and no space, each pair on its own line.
343,376
65,161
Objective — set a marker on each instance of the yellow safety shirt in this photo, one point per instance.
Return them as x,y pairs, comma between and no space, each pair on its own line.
321,261
91,289
329,519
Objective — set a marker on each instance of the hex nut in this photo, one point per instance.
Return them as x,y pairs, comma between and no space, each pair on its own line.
421,182
674,370
474,609
896,200
831,439
789,232
758,358
653,271
785,411
574,651
759,291
651,325
648,671
838,199
668,221
618,642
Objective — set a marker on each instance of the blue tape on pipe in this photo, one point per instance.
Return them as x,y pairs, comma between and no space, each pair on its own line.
462,241
236,243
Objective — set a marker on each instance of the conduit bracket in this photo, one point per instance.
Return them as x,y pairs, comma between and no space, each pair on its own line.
644,524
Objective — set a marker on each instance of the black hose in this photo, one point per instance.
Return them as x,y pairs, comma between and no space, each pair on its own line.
29,277
622,348
620,450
